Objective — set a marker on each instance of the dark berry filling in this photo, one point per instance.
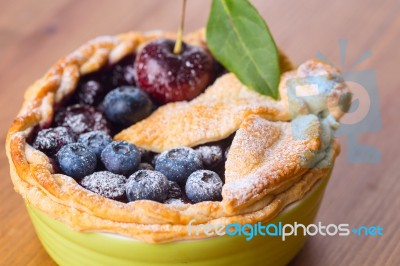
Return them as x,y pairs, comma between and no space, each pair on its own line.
147,156
145,166
123,73
175,191
79,143
106,184
211,155
91,92
51,140
81,119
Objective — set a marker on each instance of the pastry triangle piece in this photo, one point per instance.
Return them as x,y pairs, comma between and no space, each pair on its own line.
267,157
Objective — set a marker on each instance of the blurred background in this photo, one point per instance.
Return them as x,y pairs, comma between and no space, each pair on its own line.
34,34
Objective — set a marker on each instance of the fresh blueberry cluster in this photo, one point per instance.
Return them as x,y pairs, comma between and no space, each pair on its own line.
178,173
80,137
108,167
177,164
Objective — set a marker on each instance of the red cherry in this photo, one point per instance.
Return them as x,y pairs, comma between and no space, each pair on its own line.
169,77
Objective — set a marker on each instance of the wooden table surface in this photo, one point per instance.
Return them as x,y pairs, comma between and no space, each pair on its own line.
34,34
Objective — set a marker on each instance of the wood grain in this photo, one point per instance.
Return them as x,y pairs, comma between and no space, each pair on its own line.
33,34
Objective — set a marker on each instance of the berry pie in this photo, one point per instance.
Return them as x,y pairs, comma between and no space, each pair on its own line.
125,136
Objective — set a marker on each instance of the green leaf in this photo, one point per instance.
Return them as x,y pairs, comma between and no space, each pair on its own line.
239,38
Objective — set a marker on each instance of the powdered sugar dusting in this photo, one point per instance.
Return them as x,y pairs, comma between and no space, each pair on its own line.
106,184
210,155
174,202
203,185
147,184
81,119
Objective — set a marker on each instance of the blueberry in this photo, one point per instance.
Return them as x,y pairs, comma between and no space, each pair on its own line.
106,184
76,160
204,185
121,157
212,156
177,164
95,141
51,140
147,185
175,191
127,105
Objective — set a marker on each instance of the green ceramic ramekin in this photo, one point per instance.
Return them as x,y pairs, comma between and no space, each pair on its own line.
69,247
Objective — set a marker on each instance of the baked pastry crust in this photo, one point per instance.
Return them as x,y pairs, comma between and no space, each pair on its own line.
270,164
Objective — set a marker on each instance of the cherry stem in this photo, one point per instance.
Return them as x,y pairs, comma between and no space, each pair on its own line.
178,43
